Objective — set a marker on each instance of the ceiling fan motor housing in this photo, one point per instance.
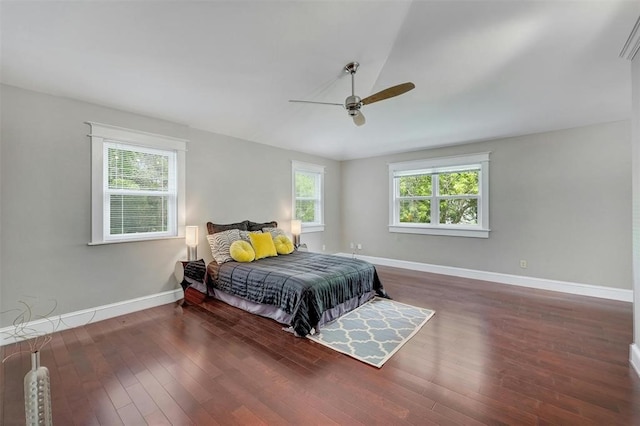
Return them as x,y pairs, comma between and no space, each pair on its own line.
353,104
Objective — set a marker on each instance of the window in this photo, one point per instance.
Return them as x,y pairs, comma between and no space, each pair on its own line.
441,196
137,187
308,195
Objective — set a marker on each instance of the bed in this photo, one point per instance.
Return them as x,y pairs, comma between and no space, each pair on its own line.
302,290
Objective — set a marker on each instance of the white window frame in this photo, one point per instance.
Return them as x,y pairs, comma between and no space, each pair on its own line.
441,165
318,170
102,136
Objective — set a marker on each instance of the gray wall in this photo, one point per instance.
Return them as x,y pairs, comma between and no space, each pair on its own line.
559,200
231,179
45,215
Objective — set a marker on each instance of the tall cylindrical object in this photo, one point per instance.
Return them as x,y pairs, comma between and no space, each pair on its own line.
192,253
37,394
296,230
191,236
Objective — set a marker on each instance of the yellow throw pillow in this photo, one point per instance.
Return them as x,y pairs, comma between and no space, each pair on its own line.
263,245
242,251
283,244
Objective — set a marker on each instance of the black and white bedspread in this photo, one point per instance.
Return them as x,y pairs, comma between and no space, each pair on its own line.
302,284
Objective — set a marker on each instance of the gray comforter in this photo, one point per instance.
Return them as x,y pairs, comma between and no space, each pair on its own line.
302,284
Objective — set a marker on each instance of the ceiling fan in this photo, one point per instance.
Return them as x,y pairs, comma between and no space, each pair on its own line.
353,103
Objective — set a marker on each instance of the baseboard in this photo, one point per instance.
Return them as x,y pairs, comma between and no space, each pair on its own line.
80,318
518,280
634,357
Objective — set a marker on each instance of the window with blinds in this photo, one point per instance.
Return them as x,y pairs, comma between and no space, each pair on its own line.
137,185
140,191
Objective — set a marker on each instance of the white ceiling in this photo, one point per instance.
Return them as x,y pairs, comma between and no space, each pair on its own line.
482,69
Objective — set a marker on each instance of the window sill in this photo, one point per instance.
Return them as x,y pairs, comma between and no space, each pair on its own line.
136,240
312,228
446,231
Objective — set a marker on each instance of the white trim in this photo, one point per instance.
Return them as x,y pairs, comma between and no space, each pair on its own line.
517,280
299,166
80,318
479,161
101,243
440,230
101,134
437,162
634,357
307,167
312,228
121,134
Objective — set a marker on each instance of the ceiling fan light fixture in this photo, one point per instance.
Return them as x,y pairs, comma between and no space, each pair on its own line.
358,118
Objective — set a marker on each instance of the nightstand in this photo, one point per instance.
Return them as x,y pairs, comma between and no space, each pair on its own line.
302,247
188,272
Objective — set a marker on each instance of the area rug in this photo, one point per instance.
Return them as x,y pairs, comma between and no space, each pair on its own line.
373,332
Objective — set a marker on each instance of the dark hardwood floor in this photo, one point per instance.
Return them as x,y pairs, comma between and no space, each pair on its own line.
492,354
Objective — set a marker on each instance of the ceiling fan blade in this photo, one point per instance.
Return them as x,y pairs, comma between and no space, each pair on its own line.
388,93
314,102
359,119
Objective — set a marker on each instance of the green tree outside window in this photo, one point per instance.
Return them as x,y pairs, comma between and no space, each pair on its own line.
456,196
306,197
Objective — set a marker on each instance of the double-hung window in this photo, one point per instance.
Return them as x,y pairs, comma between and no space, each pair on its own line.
308,195
137,185
441,196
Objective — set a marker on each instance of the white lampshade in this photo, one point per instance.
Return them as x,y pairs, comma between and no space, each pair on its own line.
296,227
191,235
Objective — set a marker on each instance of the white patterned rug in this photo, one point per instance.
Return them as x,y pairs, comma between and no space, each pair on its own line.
375,331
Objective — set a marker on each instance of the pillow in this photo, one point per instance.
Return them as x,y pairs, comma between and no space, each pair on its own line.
263,245
221,244
244,235
242,251
214,228
274,232
283,244
255,226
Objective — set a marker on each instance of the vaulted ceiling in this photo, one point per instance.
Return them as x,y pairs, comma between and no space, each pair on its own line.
482,69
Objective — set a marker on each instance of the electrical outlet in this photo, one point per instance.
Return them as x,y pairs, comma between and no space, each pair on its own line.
523,264
352,245
324,247
359,246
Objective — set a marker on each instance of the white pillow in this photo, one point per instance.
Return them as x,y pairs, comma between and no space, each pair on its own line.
220,243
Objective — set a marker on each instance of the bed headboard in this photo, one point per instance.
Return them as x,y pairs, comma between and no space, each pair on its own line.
245,225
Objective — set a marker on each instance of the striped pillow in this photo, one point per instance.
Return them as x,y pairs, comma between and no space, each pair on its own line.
221,244
274,232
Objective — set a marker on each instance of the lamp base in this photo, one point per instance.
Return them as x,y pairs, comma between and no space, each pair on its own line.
192,253
296,241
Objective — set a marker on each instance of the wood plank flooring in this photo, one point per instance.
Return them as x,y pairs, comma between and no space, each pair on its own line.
492,355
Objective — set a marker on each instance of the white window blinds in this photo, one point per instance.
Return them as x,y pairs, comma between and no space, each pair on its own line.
140,191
